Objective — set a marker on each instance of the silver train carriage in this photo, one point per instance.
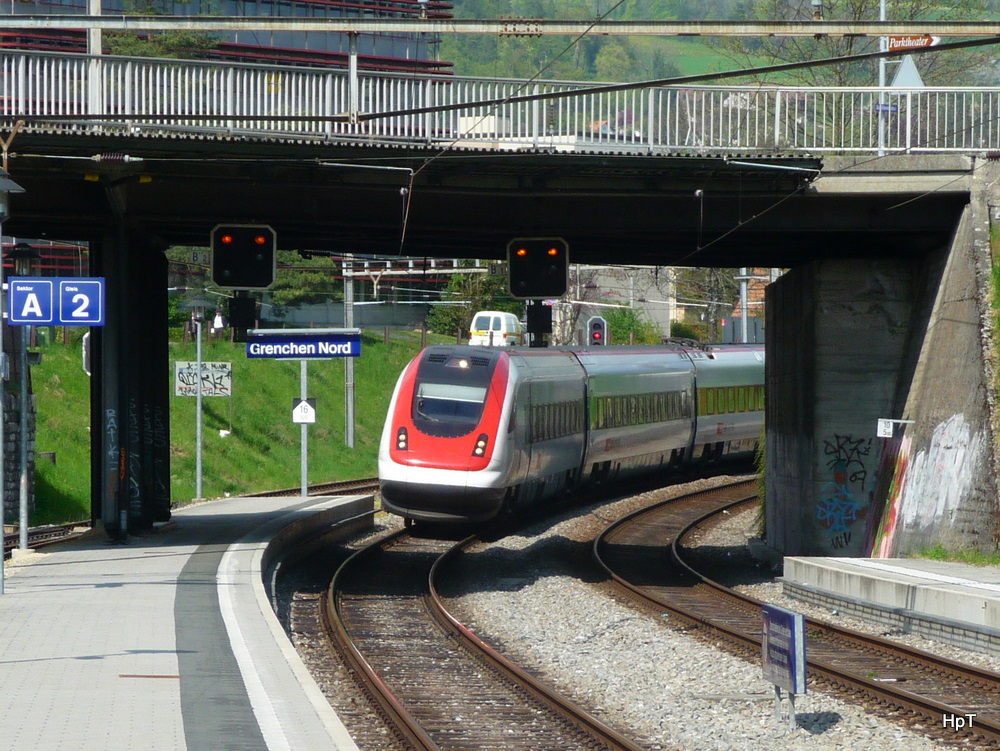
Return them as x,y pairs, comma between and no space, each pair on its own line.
473,433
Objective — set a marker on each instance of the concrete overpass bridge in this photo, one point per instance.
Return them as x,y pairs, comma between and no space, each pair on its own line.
885,235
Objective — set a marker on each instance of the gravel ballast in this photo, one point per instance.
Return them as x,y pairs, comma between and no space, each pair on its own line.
666,689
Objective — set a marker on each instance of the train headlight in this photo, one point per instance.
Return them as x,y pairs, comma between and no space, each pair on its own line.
481,443
402,439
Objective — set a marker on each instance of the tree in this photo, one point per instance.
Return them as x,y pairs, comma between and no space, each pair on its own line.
614,62
305,281
628,326
472,293
951,68
173,44
711,292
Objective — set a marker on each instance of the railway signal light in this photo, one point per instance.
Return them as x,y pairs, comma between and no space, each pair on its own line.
538,266
243,255
598,329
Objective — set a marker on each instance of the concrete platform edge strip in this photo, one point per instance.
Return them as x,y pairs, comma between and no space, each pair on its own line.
269,713
956,633
917,574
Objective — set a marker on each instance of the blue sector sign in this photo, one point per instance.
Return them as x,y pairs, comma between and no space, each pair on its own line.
75,301
304,346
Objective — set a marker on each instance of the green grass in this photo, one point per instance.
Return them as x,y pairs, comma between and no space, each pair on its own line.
966,555
263,450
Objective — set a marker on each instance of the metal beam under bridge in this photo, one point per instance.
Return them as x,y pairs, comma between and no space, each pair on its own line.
507,27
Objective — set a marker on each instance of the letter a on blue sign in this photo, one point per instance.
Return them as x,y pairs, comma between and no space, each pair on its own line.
30,301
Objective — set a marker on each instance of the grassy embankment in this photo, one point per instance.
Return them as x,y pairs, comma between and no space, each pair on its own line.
263,450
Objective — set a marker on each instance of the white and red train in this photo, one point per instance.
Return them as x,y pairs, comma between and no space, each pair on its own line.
477,432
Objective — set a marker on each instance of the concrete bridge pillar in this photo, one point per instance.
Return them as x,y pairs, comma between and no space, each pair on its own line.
130,387
907,338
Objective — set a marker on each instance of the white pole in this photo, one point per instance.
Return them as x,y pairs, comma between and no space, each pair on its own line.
197,455
95,95
304,393
883,46
22,537
352,78
349,365
744,307
3,378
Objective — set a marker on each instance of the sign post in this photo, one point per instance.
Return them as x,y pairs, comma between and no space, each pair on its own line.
784,655
71,301
303,345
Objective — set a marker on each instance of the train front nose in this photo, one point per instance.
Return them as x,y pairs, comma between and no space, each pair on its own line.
413,494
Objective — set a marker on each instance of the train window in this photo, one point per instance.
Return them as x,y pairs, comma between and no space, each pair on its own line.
760,397
457,406
709,401
751,399
731,398
741,398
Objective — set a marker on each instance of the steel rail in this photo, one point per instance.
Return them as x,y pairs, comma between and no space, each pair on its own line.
549,696
39,537
372,682
873,690
395,708
339,487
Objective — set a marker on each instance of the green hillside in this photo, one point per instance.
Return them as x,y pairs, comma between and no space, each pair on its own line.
263,450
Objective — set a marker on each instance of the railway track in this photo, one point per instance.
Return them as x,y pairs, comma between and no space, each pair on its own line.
441,686
342,487
39,537
925,688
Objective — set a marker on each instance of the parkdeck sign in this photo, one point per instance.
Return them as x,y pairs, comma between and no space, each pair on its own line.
304,346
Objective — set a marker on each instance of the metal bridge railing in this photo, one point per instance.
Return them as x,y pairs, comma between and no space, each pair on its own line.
167,95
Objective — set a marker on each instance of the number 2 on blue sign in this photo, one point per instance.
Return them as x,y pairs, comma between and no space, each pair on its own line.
84,304
81,301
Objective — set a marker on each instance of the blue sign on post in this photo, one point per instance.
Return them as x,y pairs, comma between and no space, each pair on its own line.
76,301
784,655
784,648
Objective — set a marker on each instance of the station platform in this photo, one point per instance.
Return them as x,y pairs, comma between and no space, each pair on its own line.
950,602
164,643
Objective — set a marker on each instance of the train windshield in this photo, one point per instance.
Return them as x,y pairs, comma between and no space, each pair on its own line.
450,394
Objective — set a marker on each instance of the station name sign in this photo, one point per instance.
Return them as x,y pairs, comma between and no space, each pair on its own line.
303,346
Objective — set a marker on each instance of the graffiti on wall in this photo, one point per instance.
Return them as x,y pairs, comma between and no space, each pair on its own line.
892,474
941,475
843,500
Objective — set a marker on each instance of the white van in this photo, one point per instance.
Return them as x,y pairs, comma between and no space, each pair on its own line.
494,328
